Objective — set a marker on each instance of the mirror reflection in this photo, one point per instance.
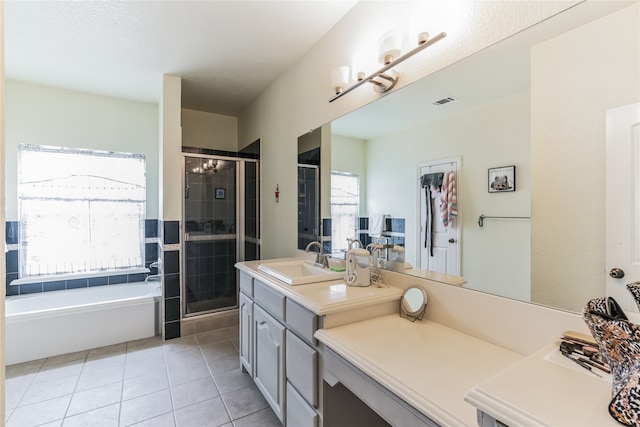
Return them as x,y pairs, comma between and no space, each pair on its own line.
536,101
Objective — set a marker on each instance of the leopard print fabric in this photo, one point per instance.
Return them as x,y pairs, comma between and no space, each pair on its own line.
619,344
634,288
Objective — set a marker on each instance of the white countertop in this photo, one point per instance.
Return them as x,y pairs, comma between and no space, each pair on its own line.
428,365
324,298
546,389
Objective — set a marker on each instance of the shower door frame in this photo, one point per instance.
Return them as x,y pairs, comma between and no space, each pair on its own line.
239,222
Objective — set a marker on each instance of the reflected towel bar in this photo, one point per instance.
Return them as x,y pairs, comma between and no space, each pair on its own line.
481,218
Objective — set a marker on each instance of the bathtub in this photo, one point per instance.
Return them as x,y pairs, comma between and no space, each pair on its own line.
58,322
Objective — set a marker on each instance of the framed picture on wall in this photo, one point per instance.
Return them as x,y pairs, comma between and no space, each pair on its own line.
220,193
502,179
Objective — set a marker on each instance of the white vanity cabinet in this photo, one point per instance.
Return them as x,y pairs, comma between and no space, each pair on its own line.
269,358
246,322
277,350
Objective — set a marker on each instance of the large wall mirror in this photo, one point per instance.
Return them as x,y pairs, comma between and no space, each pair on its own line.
536,101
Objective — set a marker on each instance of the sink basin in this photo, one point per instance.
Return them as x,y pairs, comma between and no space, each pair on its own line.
299,272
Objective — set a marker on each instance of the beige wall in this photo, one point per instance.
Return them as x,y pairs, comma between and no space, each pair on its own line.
570,96
208,130
298,101
171,150
2,216
46,115
495,258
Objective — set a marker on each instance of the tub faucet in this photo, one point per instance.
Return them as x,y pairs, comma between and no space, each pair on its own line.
153,278
321,258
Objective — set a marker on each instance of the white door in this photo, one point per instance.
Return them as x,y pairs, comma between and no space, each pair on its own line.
439,247
623,202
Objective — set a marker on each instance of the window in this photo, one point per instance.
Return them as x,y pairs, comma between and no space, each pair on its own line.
345,207
81,211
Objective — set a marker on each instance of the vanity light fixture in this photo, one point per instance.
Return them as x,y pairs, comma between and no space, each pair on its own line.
385,78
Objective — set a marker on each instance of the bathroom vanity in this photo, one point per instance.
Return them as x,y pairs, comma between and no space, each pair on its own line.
326,354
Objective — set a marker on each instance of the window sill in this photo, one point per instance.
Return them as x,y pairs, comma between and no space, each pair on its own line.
71,276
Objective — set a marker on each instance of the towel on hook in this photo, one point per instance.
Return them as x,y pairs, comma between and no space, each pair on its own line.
376,225
448,198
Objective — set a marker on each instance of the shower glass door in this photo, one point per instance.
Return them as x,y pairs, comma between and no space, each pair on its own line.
214,199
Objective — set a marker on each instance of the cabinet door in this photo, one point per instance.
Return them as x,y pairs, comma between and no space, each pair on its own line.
246,333
268,362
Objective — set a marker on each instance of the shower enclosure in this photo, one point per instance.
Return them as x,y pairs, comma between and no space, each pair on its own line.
220,214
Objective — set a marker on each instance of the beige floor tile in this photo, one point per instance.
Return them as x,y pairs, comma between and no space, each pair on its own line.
145,384
232,380
96,398
243,402
205,338
136,366
263,418
145,407
193,392
39,413
181,374
103,417
166,420
189,355
210,413
45,390
218,349
66,369
224,363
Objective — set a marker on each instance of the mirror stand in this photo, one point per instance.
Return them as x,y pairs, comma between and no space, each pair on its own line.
413,304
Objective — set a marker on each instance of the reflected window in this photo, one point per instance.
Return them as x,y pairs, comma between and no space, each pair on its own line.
345,207
80,210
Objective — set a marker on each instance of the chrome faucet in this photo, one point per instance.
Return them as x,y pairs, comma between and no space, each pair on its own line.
321,258
351,242
153,278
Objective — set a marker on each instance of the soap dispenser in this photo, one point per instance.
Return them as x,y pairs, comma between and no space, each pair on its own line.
358,273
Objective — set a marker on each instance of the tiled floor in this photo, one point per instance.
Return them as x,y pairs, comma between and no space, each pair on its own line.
193,381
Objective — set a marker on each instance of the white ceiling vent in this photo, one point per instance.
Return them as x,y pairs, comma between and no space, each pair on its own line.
446,100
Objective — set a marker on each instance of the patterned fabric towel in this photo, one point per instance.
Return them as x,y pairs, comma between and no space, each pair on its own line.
448,198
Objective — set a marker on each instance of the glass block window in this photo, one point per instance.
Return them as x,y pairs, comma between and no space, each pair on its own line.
345,207
81,211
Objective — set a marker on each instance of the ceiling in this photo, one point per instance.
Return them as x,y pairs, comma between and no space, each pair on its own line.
226,52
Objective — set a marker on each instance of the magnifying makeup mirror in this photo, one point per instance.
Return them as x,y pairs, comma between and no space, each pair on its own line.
413,303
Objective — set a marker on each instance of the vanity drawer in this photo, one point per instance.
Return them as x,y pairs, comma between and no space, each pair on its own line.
301,320
270,300
302,368
246,284
299,413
